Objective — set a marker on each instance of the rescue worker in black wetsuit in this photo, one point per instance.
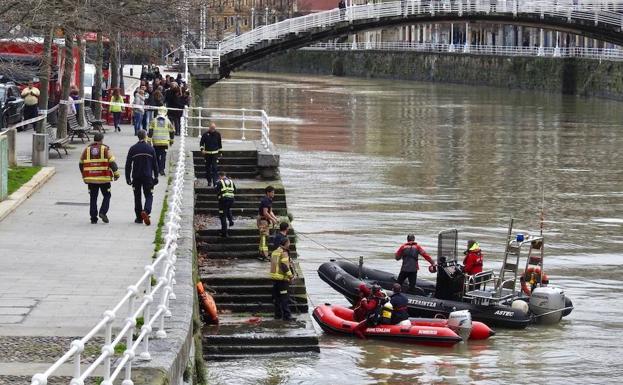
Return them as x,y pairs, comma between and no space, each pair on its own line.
399,303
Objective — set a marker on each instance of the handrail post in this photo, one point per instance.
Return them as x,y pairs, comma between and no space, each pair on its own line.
129,338
79,345
147,315
243,125
107,344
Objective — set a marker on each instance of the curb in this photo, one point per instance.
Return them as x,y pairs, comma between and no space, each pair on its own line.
9,205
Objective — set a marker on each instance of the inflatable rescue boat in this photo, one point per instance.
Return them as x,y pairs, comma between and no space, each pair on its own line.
336,319
514,298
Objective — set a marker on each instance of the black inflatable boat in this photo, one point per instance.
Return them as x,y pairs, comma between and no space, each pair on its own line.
343,277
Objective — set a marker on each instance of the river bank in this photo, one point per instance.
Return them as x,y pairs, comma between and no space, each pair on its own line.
572,76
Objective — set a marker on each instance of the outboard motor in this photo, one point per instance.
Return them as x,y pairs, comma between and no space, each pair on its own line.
544,303
450,280
460,322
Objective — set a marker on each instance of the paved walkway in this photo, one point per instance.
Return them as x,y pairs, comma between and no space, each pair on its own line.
59,272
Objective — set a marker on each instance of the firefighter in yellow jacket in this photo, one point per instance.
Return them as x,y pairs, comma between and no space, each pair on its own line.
281,274
161,132
98,167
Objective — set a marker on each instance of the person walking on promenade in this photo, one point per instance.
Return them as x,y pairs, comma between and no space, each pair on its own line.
175,104
31,102
281,274
138,109
225,191
264,219
98,168
409,253
141,172
161,132
115,108
342,6
211,146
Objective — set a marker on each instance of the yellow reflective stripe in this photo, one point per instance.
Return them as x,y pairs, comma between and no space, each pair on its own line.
211,152
99,168
97,179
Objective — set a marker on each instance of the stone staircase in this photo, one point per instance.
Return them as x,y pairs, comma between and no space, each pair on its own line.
247,200
238,164
230,270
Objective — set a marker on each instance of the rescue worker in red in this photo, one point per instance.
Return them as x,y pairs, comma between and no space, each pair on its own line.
370,307
360,309
473,258
409,253
98,168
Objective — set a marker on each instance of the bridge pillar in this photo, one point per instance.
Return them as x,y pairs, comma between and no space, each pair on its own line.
468,38
451,48
541,51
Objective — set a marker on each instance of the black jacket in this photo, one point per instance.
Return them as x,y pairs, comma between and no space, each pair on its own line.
141,163
210,141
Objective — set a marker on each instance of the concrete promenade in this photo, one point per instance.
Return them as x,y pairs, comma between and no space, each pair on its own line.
59,272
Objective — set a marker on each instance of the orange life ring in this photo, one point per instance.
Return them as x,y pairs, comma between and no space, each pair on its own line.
208,303
533,272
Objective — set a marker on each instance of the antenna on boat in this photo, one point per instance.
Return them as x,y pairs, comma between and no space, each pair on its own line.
542,208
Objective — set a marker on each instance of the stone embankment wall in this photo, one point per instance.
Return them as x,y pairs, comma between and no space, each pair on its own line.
569,76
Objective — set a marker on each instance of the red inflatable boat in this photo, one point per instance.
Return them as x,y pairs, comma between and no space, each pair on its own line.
336,319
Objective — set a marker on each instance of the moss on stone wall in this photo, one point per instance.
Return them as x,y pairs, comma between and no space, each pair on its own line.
570,76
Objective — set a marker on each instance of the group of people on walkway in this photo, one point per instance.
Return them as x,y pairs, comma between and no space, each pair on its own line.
151,94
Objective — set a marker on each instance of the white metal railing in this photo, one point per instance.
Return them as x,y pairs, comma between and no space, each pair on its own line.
245,120
614,54
141,293
592,11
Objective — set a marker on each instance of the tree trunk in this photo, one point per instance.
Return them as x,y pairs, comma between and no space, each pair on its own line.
61,130
97,85
114,63
44,77
80,107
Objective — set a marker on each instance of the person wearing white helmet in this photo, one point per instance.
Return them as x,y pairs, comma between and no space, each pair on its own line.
161,132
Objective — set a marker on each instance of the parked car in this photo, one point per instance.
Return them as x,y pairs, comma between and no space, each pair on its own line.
11,104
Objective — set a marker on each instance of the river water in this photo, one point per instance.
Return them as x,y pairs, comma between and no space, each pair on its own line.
365,162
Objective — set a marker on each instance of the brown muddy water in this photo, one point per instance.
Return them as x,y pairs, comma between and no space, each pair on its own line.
365,162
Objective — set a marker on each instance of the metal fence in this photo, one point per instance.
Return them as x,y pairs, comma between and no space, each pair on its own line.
613,54
141,300
243,120
579,11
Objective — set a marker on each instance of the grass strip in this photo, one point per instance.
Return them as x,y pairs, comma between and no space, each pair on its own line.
20,175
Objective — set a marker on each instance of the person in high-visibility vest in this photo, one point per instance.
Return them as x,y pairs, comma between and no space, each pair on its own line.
225,191
161,132
211,146
281,274
98,168
473,258
116,107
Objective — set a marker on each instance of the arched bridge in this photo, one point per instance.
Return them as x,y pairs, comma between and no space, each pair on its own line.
594,19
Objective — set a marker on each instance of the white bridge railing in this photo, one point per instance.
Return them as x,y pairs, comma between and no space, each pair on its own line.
613,54
594,11
138,302
243,120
